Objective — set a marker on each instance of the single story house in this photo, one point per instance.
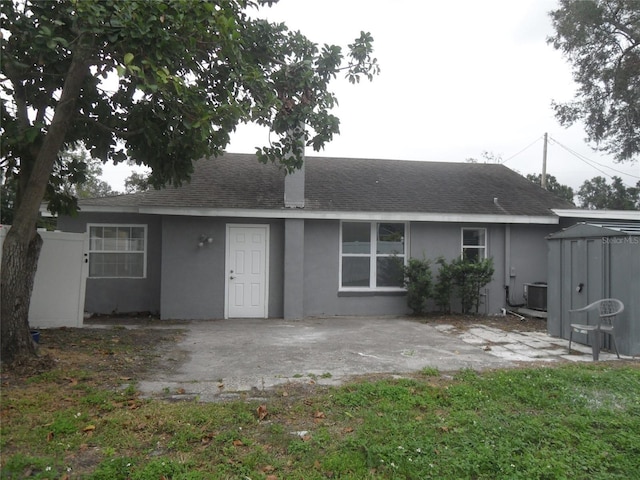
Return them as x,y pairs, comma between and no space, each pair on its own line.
243,239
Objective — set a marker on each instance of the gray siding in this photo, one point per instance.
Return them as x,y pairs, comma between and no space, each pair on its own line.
122,295
607,265
625,285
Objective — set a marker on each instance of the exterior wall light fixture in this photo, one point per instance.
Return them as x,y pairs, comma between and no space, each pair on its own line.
204,240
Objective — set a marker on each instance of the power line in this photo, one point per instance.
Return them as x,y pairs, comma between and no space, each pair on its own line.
521,151
591,162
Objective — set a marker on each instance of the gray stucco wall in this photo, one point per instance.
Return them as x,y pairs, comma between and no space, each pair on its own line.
193,277
187,282
293,281
432,240
321,267
528,251
528,259
122,295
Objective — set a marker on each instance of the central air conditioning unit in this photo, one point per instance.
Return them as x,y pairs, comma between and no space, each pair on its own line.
535,295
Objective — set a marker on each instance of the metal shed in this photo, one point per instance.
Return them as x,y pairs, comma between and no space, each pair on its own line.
587,262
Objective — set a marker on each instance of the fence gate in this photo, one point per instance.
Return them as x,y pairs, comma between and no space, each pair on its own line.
59,288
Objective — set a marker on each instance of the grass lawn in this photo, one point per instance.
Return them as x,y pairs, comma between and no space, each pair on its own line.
84,419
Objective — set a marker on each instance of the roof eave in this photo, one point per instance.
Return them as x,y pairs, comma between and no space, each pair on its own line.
330,215
597,214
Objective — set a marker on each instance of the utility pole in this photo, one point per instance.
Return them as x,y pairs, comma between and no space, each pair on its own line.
543,179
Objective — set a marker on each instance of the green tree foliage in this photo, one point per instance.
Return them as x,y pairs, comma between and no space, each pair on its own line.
418,283
160,82
598,194
555,187
76,176
136,182
601,40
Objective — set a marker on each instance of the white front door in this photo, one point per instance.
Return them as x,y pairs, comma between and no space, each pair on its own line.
247,271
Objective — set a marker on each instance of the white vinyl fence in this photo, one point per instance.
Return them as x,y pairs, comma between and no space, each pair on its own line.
59,288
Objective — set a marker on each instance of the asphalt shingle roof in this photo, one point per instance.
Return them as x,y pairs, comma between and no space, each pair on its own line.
352,185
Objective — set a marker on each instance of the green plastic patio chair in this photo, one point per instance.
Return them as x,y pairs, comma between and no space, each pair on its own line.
608,309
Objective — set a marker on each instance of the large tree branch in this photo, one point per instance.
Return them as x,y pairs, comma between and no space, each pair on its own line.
27,212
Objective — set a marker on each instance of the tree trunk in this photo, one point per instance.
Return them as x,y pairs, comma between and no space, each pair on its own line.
22,245
19,262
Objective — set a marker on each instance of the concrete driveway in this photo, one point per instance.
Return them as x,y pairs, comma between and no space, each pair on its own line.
219,357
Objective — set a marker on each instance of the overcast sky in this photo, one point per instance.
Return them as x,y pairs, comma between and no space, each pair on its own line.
458,78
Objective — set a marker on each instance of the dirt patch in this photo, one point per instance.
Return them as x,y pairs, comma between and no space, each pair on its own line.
108,353
508,323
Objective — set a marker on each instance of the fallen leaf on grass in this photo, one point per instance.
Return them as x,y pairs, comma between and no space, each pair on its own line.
238,443
348,430
206,439
72,381
262,412
89,428
319,414
50,436
268,469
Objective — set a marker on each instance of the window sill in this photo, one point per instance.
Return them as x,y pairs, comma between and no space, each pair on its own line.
372,293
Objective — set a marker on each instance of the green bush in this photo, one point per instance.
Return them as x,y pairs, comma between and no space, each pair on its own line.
461,277
443,288
469,277
417,280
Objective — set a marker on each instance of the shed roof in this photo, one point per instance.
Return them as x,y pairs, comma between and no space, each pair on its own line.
590,230
239,181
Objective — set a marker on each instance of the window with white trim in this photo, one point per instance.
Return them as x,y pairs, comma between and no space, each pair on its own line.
117,251
372,255
474,244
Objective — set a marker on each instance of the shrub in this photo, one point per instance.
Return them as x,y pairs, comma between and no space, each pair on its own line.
461,276
444,286
417,280
469,277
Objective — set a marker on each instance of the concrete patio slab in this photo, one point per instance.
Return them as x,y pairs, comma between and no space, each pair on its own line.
216,359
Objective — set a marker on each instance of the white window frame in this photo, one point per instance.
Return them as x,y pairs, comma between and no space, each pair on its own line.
133,252
373,256
481,248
